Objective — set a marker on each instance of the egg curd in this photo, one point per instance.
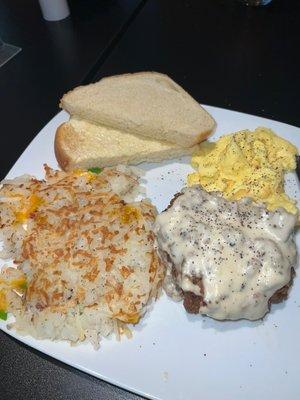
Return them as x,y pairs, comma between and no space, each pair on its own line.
247,164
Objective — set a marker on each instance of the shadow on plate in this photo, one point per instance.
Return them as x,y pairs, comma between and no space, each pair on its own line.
159,165
223,326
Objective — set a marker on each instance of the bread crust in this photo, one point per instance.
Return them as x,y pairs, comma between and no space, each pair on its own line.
85,145
61,155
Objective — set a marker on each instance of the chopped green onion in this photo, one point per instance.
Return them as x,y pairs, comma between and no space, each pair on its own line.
23,285
3,315
95,170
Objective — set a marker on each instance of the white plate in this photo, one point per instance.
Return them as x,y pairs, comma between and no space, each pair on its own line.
173,355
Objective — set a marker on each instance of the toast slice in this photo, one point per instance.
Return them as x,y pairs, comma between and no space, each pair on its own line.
80,144
149,104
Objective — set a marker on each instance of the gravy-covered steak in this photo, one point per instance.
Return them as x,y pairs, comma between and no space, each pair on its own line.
228,260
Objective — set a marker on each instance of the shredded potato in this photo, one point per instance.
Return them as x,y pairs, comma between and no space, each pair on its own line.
86,255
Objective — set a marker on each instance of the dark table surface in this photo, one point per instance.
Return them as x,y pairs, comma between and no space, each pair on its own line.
55,57
225,54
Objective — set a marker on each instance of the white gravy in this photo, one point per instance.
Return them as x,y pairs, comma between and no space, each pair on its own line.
242,252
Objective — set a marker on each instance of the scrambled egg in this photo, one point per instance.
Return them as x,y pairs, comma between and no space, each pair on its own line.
247,164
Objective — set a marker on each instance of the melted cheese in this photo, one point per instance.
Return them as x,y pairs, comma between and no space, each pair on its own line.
3,301
90,176
128,318
19,283
28,206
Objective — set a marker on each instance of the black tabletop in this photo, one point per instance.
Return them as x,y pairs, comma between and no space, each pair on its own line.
224,53
55,57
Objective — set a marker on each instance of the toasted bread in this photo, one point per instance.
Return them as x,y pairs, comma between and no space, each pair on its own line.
80,144
148,104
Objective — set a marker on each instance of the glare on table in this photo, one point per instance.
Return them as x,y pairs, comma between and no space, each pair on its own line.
255,2
7,51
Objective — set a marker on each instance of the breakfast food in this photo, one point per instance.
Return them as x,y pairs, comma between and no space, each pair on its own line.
147,104
85,253
87,264
247,164
80,144
225,259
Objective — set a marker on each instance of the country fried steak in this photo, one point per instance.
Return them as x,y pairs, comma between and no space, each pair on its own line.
220,253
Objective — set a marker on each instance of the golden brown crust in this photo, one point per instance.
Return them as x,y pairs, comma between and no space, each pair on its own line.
204,135
121,286
61,156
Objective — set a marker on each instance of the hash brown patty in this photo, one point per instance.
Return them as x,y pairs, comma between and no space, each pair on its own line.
85,251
